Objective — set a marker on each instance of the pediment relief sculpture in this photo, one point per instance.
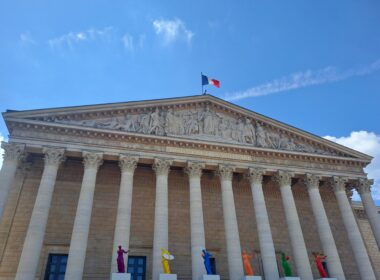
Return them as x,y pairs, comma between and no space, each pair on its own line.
202,123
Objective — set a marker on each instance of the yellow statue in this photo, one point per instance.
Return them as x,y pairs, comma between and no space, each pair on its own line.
247,264
165,258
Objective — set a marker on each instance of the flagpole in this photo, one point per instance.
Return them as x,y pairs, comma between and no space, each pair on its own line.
202,82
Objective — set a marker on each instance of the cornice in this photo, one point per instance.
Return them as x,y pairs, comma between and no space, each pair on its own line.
96,133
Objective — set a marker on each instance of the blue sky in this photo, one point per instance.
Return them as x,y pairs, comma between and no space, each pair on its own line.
312,64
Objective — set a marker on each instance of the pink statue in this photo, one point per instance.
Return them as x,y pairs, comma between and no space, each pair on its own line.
120,259
318,262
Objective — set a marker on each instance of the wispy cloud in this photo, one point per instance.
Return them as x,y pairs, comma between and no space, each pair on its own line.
71,39
368,143
27,39
304,79
172,30
128,42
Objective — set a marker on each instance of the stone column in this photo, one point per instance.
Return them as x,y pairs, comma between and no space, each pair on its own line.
127,165
235,263
297,241
161,217
31,250
323,227
364,189
353,232
267,251
12,155
79,236
194,170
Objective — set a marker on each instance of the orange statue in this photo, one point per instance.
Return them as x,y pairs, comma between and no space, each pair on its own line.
247,264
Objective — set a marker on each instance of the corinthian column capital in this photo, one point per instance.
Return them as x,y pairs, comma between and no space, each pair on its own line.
364,185
162,166
13,151
53,156
284,178
92,159
255,175
312,181
225,172
128,162
194,169
339,183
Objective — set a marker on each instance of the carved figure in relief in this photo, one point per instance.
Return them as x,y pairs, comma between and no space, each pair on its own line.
129,123
235,130
192,125
165,258
155,124
171,122
247,264
249,133
207,262
209,124
318,262
144,121
261,136
240,130
120,259
224,129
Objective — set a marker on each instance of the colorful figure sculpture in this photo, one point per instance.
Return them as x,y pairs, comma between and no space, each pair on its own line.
120,259
324,264
247,264
206,257
285,264
165,258
318,262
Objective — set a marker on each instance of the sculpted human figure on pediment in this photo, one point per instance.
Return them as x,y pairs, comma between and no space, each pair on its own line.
202,123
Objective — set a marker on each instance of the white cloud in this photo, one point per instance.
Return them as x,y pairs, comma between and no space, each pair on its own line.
172,30
1,151
69,40
368,143
127,40
304,79
27,39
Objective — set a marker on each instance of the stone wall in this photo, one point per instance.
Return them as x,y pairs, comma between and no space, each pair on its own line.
99,250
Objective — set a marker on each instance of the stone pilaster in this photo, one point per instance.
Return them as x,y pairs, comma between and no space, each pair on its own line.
194,170
31,251
364,190
13,153
127,165
323,227
353,232
235,263
267,250
297,241
161,215
79,236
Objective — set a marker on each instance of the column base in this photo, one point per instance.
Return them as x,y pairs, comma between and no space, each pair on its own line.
168,276
211,277
290,278
252,277
121,276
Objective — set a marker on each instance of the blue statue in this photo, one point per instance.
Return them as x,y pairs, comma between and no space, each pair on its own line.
206,256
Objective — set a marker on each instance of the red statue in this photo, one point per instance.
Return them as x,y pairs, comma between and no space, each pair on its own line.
120,259
318,258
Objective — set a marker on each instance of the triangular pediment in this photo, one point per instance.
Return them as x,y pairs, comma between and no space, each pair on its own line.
201,118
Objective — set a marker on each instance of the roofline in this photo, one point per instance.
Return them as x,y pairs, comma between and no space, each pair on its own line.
198,97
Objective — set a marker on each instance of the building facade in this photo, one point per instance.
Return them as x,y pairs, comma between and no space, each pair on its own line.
182,174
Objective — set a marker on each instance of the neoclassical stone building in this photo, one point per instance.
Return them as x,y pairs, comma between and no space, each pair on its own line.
184,174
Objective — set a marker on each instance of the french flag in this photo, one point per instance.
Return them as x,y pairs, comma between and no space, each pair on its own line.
208,81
